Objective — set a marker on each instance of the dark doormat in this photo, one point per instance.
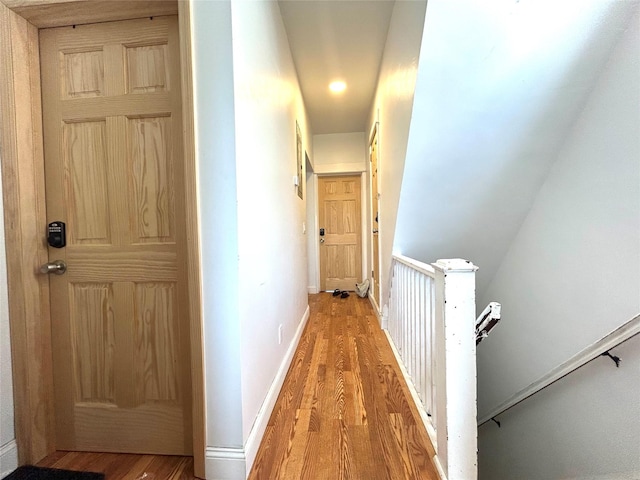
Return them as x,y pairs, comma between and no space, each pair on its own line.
28,472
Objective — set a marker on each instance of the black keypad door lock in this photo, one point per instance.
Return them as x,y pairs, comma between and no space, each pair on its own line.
57,234
322,232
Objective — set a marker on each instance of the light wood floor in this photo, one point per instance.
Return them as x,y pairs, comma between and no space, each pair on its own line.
344,411
118,466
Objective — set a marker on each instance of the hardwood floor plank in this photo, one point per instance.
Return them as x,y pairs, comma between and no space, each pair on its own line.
294,460
117,466
311,454
344,411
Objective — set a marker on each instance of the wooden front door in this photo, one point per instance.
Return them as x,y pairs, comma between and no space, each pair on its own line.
375,217
114,176
340,246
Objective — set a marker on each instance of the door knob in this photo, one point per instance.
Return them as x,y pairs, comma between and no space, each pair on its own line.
58,267
321,240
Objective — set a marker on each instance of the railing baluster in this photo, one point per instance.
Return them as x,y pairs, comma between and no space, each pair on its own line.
432,351
420,335
427,325
411,339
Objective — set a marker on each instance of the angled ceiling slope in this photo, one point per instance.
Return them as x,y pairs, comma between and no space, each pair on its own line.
500,87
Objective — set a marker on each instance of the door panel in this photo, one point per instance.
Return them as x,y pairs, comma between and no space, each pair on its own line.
112,124
340,247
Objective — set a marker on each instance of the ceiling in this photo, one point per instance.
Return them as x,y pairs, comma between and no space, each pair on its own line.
337,40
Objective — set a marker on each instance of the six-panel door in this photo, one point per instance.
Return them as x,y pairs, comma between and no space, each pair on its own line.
340,247
113,143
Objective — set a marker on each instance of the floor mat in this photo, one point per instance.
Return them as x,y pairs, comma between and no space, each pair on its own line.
28,472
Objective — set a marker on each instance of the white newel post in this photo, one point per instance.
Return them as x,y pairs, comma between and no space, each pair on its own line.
456,411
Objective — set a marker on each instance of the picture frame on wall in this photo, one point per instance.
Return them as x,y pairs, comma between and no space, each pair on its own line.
299,169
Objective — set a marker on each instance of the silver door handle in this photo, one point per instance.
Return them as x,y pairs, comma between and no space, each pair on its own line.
321,240
58,267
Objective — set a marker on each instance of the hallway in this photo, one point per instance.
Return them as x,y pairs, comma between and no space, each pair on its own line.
344,411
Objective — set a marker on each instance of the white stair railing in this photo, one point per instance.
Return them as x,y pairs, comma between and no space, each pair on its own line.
431,328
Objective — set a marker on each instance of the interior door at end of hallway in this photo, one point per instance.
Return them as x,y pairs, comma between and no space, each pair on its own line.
114,174
340,221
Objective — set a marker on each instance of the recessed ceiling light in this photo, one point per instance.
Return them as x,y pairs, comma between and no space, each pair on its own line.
337,86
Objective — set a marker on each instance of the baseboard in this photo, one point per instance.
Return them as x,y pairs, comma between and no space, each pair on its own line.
436,462
236,463
225,464
260,425
8,458
312,290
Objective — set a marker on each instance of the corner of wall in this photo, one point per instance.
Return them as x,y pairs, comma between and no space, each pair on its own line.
260,424
8,458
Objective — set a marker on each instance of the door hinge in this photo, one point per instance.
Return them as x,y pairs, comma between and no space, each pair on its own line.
372,274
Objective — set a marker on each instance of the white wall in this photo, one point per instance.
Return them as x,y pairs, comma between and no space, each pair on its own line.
585,427
572,275
8,449
272,247
499,86
333,153
313,253
254,257
216,159
392,107
340,153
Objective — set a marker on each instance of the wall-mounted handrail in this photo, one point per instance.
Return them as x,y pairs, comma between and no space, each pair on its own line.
621,334
488,319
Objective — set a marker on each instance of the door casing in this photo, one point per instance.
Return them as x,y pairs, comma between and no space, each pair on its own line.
24,208
374,202
365,237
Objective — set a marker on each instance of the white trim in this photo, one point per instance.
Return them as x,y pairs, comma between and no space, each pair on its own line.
438,465
364,219
312,290
234,463
8,458
415,264
225,463
260,424
340,169
613,339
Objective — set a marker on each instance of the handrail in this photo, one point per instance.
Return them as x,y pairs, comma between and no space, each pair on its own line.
415,264
621,334
488,319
